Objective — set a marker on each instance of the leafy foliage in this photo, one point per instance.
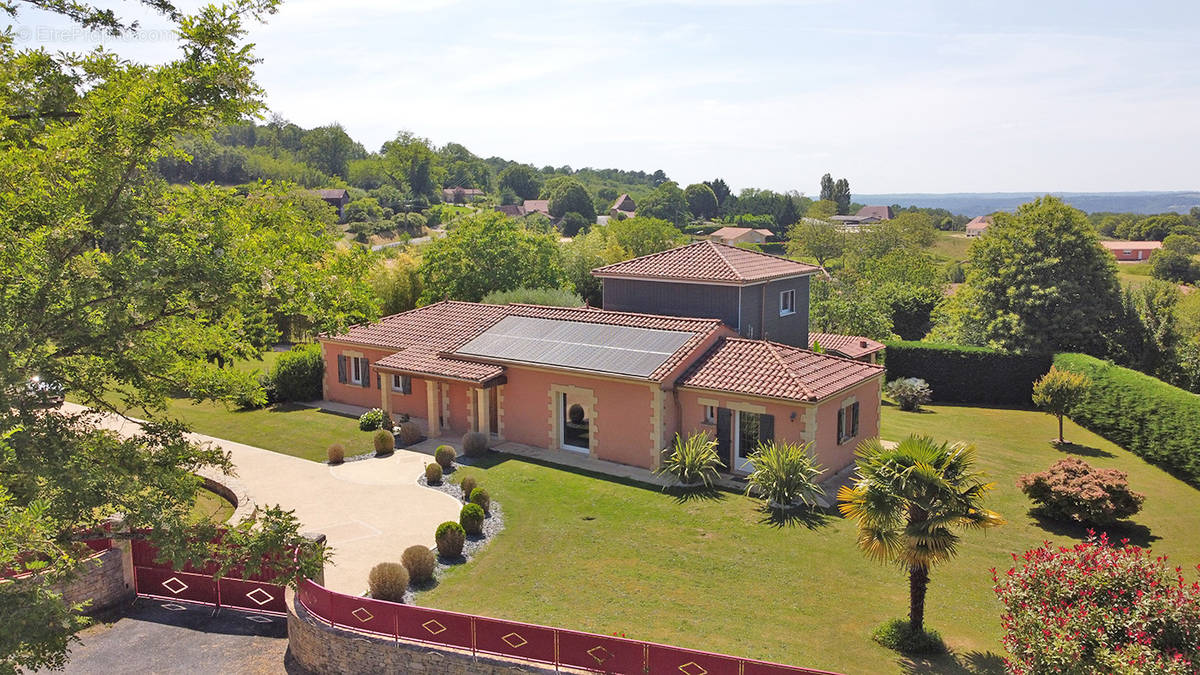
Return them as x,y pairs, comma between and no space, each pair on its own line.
433,473
959,374
467,485
450,537
701,201
550,297
471,518
371,420
482,498
909,392
785,474
820,240
567,195
396,283
444,456
1058,391
475,444
388,581
692,461
898,635
1074,491
384,441
1097,609
667,203
408,433
336,453
297,374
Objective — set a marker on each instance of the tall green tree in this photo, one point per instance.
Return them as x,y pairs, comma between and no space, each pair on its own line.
787,214
701,201
720,190
817,239
568,195
1039,282
826,188
841,195
120,289
410,161
524,181
485,252
907,501
667,203
330,149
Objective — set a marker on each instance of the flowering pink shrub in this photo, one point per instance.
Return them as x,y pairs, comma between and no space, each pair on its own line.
1097,608
1075,491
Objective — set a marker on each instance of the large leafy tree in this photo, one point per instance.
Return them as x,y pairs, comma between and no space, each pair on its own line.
701,201
409,160
486,252
908,501
116,287
568,195
818,239
667,203
1039,282
329,149
523,180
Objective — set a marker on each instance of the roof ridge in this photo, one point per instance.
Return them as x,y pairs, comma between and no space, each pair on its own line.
593,311
771,346
774,344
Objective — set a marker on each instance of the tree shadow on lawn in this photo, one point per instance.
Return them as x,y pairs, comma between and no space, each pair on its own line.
810,518
966,663
1081,450
1136,533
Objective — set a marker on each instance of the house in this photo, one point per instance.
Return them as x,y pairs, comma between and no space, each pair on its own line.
338,198
541,206
740,235
614,385
511,210
876,212
867,215
457,195
848,346
1131,251
757,295
978,225
624,207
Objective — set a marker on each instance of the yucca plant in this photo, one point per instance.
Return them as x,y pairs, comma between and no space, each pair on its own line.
692,461
785,474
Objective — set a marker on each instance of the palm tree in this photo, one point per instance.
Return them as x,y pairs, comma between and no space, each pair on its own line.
908,500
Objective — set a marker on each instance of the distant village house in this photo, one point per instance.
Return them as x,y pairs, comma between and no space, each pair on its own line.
867,215
978,225
338,198
1131,251
460,195
740,235
624,207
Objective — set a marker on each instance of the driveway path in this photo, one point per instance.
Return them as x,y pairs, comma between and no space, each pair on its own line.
370,509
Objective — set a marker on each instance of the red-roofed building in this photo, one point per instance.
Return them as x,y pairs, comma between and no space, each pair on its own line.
850,346
732,236
1131,251
616,385
978,225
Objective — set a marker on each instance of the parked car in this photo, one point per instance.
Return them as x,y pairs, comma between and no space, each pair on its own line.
44,393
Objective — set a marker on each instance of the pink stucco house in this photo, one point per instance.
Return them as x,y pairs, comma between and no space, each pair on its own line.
615,385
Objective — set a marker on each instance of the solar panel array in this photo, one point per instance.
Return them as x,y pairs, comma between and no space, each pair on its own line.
597,347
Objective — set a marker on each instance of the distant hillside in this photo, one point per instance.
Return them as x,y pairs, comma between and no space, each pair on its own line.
982,203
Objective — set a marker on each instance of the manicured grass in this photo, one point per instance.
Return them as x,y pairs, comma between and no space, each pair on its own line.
950,245
600,555
211,507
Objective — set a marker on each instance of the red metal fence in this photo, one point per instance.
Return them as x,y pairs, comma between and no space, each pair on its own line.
573,649
160,580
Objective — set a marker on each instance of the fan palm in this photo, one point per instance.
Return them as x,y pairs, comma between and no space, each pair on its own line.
908,501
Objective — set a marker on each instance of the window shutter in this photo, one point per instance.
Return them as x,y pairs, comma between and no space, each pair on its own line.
841,430
406,384
724,440
366,374
378,381
854,420
766,428
341,369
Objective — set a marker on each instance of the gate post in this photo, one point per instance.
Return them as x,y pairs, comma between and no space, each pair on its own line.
117,525
318,539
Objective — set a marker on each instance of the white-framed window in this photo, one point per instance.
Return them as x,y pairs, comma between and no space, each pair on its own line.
710,414
358,369
401,384
847,422
787,303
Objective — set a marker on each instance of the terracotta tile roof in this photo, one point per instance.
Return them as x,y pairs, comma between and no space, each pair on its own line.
425,336
538,205
734,232
514,210
979,223
773,370
1131,245
332,193
708,261
850,346
624,203
880,212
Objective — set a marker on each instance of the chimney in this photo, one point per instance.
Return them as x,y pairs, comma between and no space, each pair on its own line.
862,343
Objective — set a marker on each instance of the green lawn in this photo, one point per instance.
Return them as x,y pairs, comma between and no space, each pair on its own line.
950,245
595,554
210,506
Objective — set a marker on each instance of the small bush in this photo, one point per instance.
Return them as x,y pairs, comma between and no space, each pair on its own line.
433,473
420,563
910,393
336,453
475,444
785,474
384,442
444,456
298,374
692,461
408,433
468,484
388,581
450,537
1074,491
471,518
371,420
482,498
898,635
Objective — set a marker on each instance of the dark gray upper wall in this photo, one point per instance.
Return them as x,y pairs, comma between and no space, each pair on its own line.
739,307
672,299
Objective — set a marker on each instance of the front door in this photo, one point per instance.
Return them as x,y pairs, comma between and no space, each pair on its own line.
575,426
750,429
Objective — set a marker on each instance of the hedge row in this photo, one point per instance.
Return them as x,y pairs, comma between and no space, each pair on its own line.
1147,416
960,374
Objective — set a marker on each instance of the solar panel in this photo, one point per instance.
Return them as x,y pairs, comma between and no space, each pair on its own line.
621,350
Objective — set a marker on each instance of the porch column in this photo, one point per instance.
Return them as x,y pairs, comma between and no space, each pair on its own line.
483,409
432,388
385,382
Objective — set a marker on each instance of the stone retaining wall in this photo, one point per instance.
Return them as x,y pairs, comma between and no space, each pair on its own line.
322,648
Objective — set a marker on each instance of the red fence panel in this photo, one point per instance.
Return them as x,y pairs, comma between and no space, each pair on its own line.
168,583
509,638
601,653
99,544
365,614
255,596
764,668
144,554
431,625
315,598
663,659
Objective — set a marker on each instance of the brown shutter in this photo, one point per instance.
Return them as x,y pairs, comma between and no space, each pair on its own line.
724,436
854,420
406,384
341,368
766,428
366,373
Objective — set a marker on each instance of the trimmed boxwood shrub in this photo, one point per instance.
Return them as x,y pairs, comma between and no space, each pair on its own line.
384,442
959,374
482,498
1144,415
450,537
475,444
408,433
471,518
467,484
388,581
420,563
336,453
444,456
433,473
297,374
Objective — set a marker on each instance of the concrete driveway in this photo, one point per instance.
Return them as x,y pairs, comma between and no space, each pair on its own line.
370,509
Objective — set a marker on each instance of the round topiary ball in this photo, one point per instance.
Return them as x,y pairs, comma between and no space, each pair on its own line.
388,581
420,563
467,484
482,498
444,455
336,453
408,433
475,444
384,441
471,518
450,537
433,473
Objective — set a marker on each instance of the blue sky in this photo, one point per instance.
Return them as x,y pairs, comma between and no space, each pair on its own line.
895,96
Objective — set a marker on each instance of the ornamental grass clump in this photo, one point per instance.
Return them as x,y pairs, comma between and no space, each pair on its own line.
408,433
785,474
1074,491
433,473
475,444
910,393
420,563
467,484
471,519
450,537
388,581
1098,609
384,442
693,461
444,455
336,453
